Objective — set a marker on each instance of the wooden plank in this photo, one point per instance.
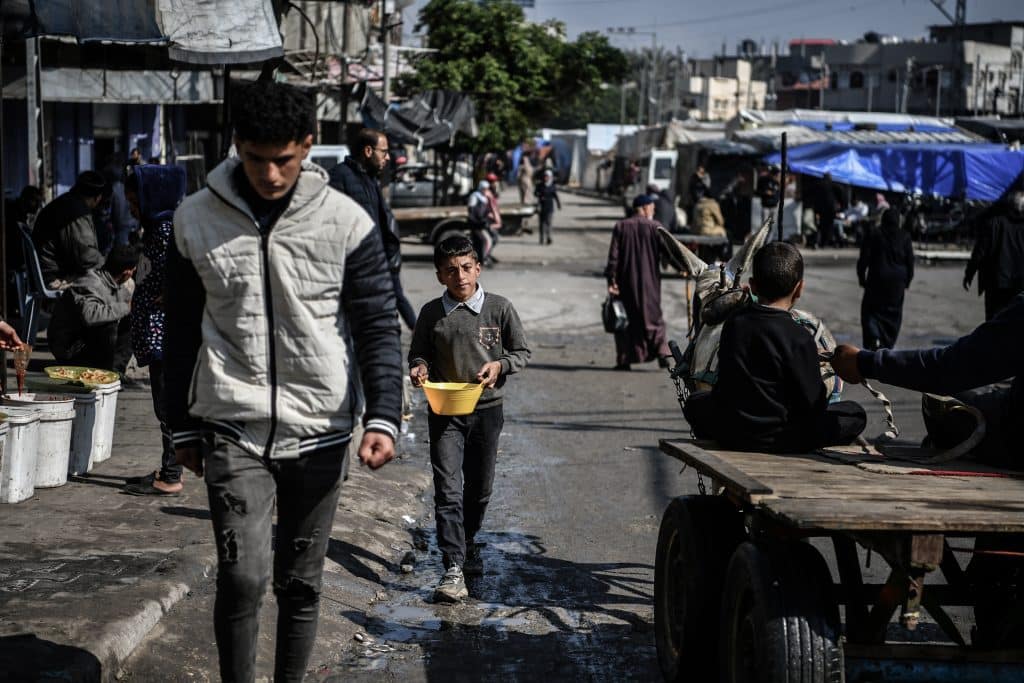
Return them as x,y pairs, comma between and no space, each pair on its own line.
746,487
859,515
810,491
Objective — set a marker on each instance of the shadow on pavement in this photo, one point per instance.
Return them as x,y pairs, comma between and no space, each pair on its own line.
530,617
25,657
194,513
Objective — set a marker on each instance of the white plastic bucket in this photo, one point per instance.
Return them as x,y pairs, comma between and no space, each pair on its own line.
56,415
83,433
18,462
106,412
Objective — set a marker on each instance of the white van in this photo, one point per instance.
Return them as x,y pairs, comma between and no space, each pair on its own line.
659,168
328,156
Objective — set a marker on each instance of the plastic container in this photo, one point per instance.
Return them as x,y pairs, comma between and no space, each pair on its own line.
452,398
83,433
56,416
18,460
106,412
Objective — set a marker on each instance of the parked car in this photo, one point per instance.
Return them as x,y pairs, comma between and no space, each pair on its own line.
328,156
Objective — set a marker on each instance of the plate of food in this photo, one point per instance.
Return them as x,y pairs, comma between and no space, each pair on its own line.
89,377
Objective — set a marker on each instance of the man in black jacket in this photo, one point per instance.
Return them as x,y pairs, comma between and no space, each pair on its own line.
885,269
358,177
998,257
987,356
65,235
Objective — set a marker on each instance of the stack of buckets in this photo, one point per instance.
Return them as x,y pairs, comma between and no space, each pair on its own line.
61,430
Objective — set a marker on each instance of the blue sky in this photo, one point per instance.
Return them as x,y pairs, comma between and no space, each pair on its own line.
700,27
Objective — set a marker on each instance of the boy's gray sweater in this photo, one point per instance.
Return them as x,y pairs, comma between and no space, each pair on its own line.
455,346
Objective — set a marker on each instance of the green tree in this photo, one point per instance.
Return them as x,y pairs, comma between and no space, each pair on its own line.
520,75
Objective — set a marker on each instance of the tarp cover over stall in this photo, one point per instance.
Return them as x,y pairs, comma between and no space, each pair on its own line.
430,119
195,31
982,171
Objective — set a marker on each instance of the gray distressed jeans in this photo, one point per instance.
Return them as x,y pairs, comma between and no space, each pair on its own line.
242,489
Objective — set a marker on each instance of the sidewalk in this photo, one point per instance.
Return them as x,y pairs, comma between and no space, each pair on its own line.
86,571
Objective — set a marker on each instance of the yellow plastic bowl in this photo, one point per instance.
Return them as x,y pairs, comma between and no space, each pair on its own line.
452,398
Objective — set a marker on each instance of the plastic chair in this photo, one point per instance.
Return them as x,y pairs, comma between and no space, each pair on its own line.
37,289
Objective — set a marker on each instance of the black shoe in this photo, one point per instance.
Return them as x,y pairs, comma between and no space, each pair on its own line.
663,361
549,240
622,366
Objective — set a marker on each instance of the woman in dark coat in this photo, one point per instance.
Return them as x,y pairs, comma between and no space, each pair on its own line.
884,269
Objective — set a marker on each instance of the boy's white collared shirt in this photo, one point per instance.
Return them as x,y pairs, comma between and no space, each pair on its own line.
474,303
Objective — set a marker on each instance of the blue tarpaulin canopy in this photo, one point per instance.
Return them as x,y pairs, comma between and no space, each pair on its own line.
977,171
897,127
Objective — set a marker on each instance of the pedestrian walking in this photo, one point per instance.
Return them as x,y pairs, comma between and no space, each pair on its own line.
358,176
279,307
64,233
153,192
465,335
634,276
664,208
825,204
998,256
479,216
547,199
885,270
524,179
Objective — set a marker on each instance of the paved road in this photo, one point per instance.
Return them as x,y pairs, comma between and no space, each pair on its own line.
580,487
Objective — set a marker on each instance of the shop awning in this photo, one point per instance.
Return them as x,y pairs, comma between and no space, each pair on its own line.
978,171
195,31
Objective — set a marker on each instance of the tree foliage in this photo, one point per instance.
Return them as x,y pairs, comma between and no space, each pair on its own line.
520,75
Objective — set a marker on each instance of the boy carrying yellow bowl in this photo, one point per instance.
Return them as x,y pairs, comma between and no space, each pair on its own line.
464,335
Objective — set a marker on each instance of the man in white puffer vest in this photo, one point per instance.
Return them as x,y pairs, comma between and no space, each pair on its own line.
281,332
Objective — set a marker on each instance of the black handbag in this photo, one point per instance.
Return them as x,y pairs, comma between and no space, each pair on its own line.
613,315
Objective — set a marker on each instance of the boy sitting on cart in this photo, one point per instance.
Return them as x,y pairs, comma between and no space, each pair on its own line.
769,395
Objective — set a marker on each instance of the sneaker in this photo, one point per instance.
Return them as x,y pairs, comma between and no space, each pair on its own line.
452,587
474,565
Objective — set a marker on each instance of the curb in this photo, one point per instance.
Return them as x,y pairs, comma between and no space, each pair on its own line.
116,642
99,656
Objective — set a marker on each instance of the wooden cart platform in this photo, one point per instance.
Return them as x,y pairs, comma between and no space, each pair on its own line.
852,488
740,595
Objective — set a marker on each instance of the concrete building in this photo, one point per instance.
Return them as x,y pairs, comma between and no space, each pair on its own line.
716,89
934,77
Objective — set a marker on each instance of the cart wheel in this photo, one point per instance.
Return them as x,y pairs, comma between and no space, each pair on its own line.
697,537
780,622
998,584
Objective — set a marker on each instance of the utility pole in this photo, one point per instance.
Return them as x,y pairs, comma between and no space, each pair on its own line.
825,80
906,84
652,112
938,90
385,41
871,89
34,99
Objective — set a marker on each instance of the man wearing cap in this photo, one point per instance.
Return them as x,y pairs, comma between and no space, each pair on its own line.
64,234
634,277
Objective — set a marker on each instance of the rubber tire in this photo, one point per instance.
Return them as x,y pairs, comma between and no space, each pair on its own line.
780,620
998,586
697,537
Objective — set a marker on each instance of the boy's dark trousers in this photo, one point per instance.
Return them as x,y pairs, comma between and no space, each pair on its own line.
463,451
242,489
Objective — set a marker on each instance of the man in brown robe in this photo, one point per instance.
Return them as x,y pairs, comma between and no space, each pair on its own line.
634,277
